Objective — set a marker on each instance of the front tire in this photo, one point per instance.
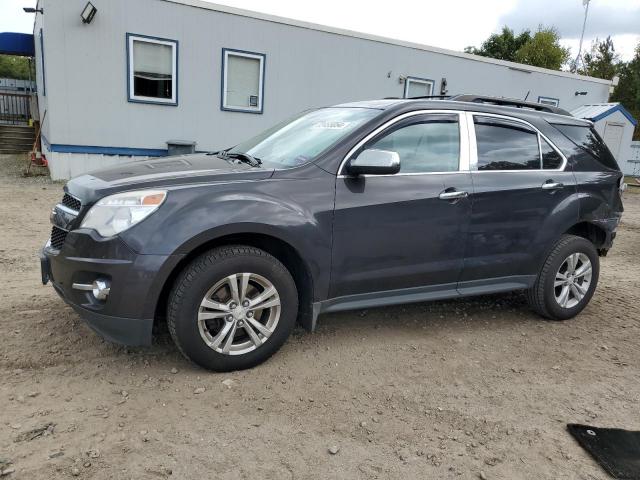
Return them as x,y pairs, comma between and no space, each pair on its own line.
232,308
567,279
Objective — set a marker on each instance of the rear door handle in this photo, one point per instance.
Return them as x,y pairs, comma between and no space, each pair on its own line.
455,195
552,186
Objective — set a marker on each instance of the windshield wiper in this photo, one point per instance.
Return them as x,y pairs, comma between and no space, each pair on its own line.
243,157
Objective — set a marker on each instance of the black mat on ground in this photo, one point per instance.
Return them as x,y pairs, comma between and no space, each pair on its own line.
616,450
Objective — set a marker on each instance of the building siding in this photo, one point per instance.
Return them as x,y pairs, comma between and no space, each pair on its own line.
86,74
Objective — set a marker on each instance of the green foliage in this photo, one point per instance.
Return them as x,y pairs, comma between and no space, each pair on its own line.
628,90
502,46
602,61
14,67
542,49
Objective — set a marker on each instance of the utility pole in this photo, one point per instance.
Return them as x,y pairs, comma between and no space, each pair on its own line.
585,3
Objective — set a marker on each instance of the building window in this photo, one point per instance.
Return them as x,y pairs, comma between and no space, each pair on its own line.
554,102
418,87
152,70
242,81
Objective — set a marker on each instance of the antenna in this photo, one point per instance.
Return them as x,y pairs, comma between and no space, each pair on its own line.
526,96
585,3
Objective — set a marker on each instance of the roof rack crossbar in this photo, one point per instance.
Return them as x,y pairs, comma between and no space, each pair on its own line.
510,102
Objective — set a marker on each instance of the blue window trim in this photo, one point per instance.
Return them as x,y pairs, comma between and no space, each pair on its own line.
542,97
44,81
617,108
420,79
128,60
264,73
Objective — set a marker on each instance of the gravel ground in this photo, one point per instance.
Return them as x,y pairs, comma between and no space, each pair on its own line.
477,388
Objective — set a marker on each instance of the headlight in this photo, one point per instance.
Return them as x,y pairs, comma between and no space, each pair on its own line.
117,213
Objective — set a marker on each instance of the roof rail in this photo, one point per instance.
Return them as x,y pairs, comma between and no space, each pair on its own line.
510,102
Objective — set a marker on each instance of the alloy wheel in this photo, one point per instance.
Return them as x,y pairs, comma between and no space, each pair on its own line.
239,313
572,280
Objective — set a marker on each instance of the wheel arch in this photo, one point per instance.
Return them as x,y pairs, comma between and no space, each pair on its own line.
274,245
589,231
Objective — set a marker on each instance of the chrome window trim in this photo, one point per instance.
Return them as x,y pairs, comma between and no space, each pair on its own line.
464,140
524,122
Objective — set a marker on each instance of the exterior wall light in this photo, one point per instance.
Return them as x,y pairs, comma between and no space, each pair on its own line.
33,10
580,93
88,12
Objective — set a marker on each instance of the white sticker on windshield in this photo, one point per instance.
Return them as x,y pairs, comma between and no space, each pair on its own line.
331,125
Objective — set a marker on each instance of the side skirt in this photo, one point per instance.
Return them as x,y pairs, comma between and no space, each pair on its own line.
420,294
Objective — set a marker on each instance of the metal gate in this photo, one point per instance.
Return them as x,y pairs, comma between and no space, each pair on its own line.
15,109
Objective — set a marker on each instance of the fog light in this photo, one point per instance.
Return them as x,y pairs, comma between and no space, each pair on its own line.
100,288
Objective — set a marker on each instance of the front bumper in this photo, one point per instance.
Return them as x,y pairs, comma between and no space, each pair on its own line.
126,316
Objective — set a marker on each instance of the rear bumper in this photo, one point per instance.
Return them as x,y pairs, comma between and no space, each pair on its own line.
126,316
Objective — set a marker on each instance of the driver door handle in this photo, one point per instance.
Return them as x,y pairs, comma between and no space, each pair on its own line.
454,195
550,185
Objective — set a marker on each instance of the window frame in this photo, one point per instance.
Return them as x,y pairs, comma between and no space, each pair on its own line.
409,122
262,57
463,128
131,97
44,78
424,81
551,101
468,145
473,164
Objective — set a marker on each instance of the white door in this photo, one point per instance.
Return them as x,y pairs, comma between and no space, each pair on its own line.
613,137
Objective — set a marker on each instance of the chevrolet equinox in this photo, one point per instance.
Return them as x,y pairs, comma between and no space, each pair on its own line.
354,206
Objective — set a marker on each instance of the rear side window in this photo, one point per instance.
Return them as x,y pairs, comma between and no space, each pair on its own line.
588,139
551,159
429,145
506,145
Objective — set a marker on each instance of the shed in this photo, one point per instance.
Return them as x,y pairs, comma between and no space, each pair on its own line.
615,125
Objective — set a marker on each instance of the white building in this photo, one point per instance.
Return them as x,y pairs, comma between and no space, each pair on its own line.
144,72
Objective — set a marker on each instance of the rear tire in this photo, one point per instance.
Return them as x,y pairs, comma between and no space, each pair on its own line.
567,279
232,308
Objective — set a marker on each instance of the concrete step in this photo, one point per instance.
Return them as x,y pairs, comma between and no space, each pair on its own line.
16,138
11,150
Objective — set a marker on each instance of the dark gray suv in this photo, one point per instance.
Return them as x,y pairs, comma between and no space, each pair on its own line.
353,206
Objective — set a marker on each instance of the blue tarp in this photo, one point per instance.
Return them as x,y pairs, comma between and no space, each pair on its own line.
17,44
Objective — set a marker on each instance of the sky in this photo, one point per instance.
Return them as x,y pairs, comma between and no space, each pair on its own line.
452,24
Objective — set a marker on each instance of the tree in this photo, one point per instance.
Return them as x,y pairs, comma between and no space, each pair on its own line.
14,67
541,49
602,61
628,90
502,46
544,50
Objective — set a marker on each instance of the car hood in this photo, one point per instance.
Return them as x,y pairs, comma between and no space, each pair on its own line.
163,172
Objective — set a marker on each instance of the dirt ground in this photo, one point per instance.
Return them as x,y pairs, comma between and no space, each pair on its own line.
476,388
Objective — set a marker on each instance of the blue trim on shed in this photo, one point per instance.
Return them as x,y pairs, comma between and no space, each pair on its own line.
264,80
151,102
99,150
20,44
617,108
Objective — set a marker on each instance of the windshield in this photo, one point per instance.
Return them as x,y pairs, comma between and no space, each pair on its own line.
301,139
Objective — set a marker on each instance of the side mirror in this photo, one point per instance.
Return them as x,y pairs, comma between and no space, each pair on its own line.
374,162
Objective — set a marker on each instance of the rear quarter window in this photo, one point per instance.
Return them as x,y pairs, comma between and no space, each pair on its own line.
588,140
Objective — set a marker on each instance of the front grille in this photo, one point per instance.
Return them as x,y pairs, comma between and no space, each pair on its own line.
71,202
58,236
